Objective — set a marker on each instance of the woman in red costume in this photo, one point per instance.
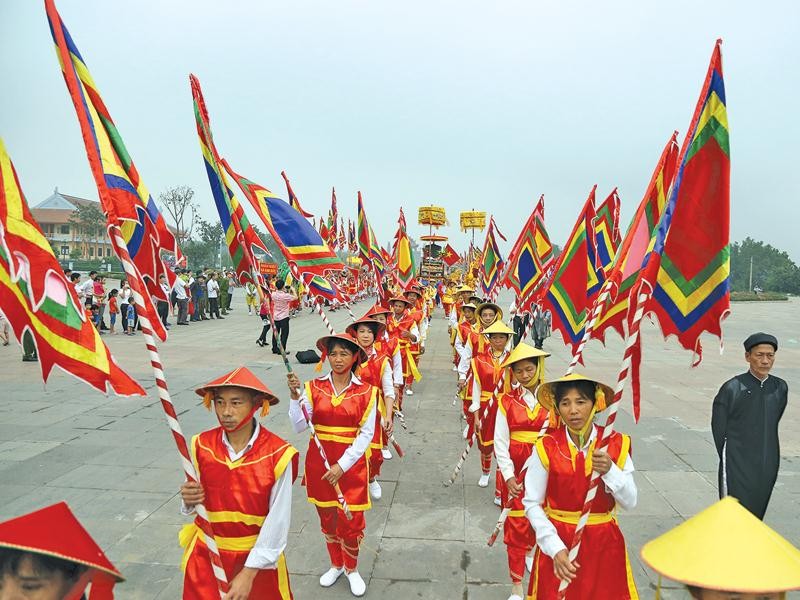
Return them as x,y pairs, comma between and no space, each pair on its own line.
376,371
520,421
485,370
402,327
555,490
246,474
342,410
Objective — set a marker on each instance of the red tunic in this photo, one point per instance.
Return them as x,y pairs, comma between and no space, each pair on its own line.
394,327
237,500
603,557
371,372
487,370
337,420
524,426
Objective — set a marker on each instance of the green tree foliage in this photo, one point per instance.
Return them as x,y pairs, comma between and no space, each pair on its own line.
90,224
207,241
773,270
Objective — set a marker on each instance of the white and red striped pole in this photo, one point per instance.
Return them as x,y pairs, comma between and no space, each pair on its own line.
507,509
325,318
471,441
203,521
588,328
607,430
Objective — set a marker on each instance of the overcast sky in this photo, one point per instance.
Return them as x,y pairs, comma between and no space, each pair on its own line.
462,104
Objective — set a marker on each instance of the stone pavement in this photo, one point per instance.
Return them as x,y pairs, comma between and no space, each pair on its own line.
113,460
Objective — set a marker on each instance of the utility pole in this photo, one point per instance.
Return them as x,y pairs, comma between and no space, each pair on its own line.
750,288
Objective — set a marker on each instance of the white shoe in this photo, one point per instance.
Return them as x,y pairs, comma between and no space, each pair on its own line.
330,576
466,432
497,501
484,480
375,490
529,562
357,585
455,368
409,392
386,453
514,597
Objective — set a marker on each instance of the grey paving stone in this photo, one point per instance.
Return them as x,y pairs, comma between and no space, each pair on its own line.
422,540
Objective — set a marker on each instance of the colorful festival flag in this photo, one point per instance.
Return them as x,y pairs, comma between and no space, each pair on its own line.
322,287
125,200
333,218
492,261
404,258
368,247
576,280
606,231
36,298
240,237
688,270
450,256
342,236
525,267
636,243
293,201
300,244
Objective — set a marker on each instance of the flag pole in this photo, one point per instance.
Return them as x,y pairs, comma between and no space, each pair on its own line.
190,472
608,428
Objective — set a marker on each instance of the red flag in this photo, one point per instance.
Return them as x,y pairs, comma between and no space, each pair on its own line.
450,256
35,297
293,199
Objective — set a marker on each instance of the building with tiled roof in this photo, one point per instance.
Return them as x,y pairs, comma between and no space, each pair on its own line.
55,216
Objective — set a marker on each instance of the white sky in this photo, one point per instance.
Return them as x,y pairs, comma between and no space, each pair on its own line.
463,104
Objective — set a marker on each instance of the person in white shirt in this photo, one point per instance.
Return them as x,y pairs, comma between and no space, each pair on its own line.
342,410
556,482
213,296
245,482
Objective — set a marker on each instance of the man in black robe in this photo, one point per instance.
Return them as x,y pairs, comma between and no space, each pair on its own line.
744,421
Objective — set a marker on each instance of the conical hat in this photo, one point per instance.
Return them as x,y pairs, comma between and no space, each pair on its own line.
351,329
54,531
498,327
491,305
400,299
378,310
322,345
546,393
725,548
240,377
464,288
523,351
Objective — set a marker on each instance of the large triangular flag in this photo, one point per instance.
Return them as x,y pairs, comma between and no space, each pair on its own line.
36,298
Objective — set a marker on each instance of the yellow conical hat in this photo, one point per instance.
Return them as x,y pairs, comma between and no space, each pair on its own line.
725,548
521,352
546,393
498,327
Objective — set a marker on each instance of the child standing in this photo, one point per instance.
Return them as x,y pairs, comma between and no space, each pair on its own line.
113,309
130,316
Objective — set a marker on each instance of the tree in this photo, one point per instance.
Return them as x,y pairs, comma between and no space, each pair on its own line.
203,250
773,270
177,201
89,222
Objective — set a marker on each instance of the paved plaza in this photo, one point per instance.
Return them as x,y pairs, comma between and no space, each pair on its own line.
114,462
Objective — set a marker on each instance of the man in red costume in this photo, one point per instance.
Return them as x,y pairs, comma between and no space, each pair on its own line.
246,474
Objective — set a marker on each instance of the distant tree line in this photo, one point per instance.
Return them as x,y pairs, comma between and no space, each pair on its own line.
773,270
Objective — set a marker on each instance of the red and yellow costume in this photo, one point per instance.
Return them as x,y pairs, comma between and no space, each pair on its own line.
237,500
603,558
486,370
337,420
394,327
371,372
524,426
